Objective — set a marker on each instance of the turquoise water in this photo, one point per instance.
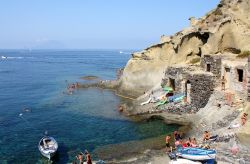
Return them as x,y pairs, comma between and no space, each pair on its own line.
87,119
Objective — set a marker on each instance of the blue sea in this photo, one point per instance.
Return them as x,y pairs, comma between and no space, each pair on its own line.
33,100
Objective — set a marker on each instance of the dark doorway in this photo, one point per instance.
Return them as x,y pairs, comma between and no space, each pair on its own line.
172,83
208,67
240,75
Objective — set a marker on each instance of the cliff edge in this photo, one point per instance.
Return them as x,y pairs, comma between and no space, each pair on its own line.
224,29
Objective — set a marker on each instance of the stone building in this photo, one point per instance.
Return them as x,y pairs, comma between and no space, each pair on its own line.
199,82
235,73
234,70
211,64
197,85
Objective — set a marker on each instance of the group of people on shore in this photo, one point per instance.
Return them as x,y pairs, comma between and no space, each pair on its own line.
83,157
72,87
179,142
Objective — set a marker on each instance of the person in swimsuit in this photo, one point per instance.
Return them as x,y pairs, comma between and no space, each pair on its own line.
177,136
223,83
244,119
193,142
206,136
80,158
88,157
168,147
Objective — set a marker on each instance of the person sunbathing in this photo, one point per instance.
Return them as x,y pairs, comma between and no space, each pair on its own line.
193,143
207,136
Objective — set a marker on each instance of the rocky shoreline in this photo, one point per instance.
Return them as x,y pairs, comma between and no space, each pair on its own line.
207,66
193,125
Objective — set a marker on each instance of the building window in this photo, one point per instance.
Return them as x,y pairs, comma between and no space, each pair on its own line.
208,67
240,75
227,69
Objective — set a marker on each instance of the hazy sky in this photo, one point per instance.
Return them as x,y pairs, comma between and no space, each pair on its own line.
89,24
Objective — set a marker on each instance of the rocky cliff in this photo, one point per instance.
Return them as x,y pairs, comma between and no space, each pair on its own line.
224,29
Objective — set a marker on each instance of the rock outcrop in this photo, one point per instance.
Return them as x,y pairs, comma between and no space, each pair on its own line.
224,29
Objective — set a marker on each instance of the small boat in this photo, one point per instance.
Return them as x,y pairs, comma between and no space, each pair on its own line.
3,57
48,147
196,154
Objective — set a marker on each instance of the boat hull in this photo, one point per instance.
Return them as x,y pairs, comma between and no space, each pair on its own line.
51,148
198,157
197,154
48,155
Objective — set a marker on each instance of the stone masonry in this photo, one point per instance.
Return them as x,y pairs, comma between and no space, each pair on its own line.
202,84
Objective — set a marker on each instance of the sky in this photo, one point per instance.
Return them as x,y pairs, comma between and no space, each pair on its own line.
94,24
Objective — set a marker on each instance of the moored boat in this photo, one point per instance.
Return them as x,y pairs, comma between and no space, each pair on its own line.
48,147
197,154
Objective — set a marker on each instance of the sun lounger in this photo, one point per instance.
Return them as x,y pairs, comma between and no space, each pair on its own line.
146,102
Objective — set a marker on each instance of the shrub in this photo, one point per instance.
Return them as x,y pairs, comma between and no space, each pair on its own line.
195,60
244,54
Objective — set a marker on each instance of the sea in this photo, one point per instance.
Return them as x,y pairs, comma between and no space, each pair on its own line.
34,102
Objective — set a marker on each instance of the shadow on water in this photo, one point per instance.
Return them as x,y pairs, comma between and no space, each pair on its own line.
61,155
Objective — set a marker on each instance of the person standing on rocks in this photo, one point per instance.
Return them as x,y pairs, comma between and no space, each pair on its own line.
223,83
88,157
80,158
244,119
168,147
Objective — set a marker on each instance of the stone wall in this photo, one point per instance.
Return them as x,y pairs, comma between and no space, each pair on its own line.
178,74
239,88
202,84
248,77
214,62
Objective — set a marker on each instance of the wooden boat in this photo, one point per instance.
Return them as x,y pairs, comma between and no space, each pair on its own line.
48,147
196,154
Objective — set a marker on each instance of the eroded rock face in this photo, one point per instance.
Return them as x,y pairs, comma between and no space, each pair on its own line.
224,29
